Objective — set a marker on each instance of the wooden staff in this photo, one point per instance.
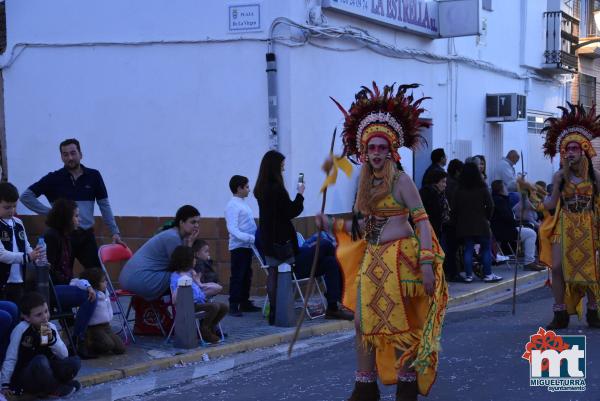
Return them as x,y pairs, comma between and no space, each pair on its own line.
311,281
521,213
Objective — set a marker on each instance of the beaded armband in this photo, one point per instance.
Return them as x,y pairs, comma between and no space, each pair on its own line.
418,214
426,257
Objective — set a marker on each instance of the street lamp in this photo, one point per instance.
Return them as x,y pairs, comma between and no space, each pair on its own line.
591,40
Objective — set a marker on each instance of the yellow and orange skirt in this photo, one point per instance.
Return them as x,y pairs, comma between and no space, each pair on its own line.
383,283
577,234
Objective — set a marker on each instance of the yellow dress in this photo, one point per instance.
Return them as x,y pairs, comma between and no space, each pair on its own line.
575,227
384,282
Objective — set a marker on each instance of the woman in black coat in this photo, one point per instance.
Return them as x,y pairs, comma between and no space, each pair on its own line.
276,211
472,208
61,221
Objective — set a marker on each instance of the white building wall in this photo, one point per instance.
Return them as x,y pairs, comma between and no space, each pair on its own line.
168,105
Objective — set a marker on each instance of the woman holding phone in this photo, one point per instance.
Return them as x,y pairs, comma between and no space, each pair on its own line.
277,234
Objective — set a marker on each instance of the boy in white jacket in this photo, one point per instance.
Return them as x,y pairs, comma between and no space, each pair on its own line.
37,361
99,336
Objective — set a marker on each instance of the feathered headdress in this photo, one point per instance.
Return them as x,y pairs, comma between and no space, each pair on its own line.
575,125
394,117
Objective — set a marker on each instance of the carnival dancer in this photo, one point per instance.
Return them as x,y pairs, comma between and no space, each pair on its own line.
394,280
569,238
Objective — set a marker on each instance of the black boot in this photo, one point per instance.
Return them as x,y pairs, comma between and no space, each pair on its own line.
271,316
407,391
592,318
235,310
560,321
365,392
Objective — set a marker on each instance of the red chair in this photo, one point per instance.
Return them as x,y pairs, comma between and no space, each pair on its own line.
115,253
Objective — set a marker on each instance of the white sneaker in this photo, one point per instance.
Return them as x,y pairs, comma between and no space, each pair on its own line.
501,258
491,278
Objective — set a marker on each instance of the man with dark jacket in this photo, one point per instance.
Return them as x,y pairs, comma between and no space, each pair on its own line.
85,186
505,227
438,161
434,200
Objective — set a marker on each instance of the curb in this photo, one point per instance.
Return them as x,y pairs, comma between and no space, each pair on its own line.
279,338
494,289
224,350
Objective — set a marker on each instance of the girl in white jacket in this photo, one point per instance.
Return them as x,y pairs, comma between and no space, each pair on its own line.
99,336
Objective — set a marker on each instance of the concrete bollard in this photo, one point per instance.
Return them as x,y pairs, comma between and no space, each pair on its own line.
284,311
185,324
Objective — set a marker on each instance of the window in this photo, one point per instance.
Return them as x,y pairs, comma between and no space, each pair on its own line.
2,27
587,90
535,122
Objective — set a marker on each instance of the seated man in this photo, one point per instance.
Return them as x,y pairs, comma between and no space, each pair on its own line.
530,216
505,227
327,266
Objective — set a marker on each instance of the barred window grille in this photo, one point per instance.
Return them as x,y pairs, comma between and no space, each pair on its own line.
587,90
2,27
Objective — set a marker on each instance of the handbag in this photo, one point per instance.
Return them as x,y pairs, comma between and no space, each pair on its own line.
283,251
146,315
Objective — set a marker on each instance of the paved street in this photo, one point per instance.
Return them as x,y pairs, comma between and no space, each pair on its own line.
481,360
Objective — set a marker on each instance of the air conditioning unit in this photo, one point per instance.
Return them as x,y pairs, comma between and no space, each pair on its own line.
505,107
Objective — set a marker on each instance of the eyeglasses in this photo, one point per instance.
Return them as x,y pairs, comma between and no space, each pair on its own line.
372,148
573,148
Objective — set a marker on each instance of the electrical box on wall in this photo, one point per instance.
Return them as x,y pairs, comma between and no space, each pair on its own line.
502,107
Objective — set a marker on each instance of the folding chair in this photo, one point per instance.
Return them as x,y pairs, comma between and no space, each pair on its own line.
513,258
198,316
114,253
319,281
264,267
63,317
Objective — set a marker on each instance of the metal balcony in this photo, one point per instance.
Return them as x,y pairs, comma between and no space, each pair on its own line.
562,35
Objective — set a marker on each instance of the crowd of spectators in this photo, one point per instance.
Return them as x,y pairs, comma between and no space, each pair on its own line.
478,225
32,346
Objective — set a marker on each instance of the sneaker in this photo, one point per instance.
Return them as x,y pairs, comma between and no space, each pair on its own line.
209,336
249,307
501,258
455,279
465,278
534,267
75,384
63,391
491,278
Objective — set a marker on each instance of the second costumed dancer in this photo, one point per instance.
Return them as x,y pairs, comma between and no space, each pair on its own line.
394,281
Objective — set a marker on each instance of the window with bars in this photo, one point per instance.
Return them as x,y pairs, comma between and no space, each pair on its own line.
536,121
587,90
587,22
2,27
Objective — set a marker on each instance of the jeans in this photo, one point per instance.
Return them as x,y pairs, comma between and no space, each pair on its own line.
69,297
9,318
486,254
327,266
241,275
43,376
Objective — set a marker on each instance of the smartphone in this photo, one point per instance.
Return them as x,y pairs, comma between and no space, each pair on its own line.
301,178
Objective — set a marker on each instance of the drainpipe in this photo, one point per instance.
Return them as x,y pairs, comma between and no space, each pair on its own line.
272,101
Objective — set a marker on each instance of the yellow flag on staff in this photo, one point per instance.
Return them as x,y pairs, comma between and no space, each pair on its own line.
339,163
